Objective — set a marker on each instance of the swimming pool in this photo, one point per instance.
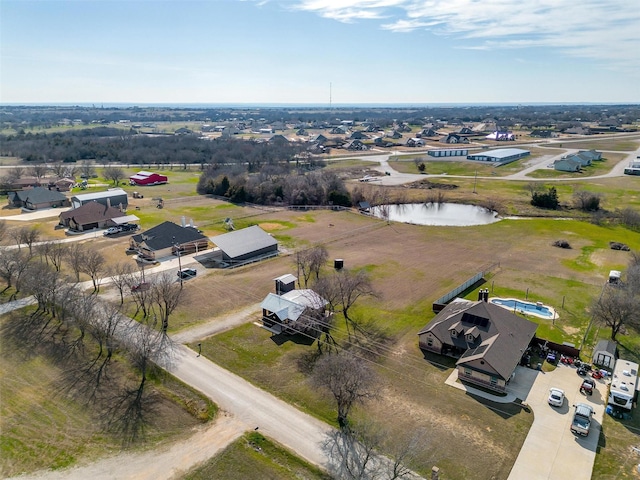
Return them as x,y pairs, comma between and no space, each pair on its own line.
537,309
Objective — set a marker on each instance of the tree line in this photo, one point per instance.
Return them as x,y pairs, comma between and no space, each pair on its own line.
112,145
86,334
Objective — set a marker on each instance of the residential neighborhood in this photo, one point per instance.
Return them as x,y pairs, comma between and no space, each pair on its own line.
258,280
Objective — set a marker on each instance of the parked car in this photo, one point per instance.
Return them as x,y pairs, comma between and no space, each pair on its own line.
556,397
587,386
129,227
582,419
187,273
112,231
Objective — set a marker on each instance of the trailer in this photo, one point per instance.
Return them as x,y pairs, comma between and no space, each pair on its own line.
623,390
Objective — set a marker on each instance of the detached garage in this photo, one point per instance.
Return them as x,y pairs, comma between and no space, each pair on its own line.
143,178
246,245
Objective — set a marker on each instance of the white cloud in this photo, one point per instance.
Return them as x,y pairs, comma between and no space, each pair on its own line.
604,30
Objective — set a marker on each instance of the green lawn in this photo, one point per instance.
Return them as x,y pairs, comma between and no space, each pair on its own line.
254,457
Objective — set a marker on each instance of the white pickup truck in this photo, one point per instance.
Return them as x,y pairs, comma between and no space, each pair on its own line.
582,419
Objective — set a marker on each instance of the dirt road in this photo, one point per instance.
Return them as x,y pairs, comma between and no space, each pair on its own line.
166,463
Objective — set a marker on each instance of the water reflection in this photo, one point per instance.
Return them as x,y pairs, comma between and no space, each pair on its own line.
444,214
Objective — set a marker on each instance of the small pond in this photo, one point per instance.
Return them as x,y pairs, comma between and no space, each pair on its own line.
443,214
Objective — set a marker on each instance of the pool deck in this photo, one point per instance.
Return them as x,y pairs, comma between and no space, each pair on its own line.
554,314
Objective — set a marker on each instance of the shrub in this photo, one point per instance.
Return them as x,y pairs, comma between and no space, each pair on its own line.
545,200
562,244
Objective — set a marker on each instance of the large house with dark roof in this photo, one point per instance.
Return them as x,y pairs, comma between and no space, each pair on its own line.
489,341
93,215
38,197
167,239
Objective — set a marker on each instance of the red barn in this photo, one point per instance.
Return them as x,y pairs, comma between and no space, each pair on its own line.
147,178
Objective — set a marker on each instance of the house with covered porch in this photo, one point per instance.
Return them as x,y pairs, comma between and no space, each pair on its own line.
488,341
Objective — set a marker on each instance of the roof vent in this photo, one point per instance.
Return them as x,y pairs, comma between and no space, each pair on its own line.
626,373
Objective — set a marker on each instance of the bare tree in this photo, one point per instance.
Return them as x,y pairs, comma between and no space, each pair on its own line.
130,410
42,281
75,257
356,453
616,307
9,263
15,173
38,170
310,261
87,170
166,294
53,252
103,329
93,264
342,290
349,379
122,277
25,236
3,229
587,201
115,174
58,169
633,273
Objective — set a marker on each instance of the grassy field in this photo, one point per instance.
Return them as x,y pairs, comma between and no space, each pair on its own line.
254,457
43,426
462,166
410,267
598,167
526,265
627,143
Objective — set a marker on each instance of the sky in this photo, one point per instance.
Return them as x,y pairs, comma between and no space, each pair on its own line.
320,52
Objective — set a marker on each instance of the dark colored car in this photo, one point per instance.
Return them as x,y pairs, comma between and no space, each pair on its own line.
141,287
129,227
187,273
587,386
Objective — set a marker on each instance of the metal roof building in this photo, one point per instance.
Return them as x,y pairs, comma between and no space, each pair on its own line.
246,244
114,197
501,155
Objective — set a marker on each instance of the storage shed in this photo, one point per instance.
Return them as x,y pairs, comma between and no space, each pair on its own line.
605,354
246,245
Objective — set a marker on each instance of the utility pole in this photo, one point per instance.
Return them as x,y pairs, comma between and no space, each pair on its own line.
175,245
475,181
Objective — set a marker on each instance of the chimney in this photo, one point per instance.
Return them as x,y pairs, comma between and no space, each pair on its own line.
485,295
184,222
480,295
108,202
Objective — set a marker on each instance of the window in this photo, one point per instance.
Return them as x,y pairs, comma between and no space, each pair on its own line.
494,381
430,342
467,372
454,333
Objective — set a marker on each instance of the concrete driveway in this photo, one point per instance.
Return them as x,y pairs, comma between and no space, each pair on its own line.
551,451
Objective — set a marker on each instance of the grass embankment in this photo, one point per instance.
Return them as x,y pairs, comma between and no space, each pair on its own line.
255,457
48,423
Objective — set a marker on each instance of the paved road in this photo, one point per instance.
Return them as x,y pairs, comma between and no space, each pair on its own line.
392,177
551,451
